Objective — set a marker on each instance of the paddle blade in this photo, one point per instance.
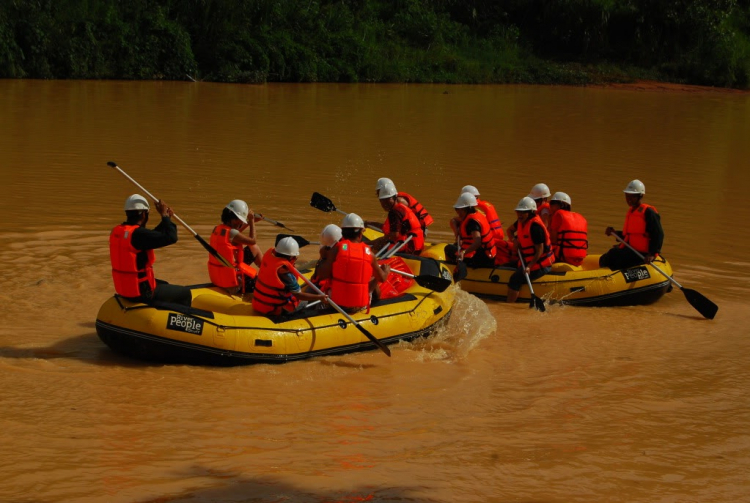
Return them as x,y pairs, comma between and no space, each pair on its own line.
538,303
436,283
322,203
704,306
299,239
460,272
375,341
210,249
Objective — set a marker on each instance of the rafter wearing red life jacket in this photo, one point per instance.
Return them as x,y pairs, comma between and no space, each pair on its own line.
130,281
487,236
572,237
634,231
415,206
495,224
271,296
403,221
523,233
222,276
351,274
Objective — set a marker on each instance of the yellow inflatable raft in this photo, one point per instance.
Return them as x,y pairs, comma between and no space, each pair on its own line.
221,329
584,285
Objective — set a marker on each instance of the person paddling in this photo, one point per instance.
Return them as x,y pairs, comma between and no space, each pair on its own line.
131,252
532,239
277,290
642,231
352,268
239,250
476,241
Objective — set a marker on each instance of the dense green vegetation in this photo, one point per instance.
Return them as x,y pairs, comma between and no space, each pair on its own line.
475,41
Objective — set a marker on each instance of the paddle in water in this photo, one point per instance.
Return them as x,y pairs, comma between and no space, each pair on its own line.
701,304
535,301
362,329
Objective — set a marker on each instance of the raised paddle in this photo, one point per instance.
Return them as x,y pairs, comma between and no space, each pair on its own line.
322,203
375,341
535,301
704,306
210,249
436,283
274,222
299,239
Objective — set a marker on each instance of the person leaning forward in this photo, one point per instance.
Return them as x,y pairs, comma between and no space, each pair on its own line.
476,241
238,249
131,252
352,268
277,290
642,231
532,239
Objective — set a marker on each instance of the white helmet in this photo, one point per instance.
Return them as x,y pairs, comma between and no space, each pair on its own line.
526,204
382,182
387,191
465,200
352,221
562,197
136,202
635,187
471,190
287,246
239,208
539,191
331,235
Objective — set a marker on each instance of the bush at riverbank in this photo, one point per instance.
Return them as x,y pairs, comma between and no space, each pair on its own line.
703,42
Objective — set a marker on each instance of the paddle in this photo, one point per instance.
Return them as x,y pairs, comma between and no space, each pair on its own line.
210,249
461,271
704,306
274,222
436,283
396,248
535,301
375,341
322,203
299,239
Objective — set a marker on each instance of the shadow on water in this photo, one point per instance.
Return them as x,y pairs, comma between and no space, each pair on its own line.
240,489
86,348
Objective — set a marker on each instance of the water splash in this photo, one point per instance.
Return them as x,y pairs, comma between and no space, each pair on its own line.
470,322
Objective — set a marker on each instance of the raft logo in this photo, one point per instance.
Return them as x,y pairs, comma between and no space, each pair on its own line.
183,323
635,274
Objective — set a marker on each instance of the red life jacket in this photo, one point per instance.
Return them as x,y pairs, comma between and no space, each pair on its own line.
634,231
526,244
271,296
129,280
488,238
495,224
221,275
407,223
424,218
572,237
540,209
351,274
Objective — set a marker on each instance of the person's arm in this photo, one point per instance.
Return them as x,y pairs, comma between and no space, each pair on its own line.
162,235
325,269
537,237
655,234
380,272
291,284
511,231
